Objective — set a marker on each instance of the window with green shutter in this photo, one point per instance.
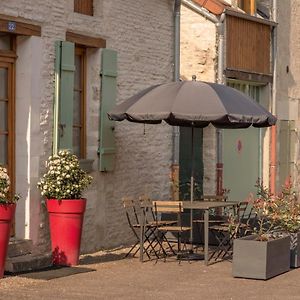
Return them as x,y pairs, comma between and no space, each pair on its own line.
64,95
108,74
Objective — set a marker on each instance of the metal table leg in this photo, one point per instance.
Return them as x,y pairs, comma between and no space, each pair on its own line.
206,236
142,233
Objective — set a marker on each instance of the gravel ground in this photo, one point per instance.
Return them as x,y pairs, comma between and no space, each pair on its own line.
117,278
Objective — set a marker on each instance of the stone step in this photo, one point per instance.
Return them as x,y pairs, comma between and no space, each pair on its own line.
28,262
18,247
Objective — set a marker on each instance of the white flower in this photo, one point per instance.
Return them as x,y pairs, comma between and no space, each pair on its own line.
64,177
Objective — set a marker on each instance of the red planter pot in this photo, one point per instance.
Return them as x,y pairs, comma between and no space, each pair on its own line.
7,212
66,219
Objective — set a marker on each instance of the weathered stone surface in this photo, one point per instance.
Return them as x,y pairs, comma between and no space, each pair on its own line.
18,247
28,262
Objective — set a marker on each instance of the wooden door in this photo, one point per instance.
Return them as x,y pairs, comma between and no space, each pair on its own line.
7,107
6,117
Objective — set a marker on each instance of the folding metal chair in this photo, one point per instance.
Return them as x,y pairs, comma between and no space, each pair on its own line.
173,207
133,213
216,217
238,225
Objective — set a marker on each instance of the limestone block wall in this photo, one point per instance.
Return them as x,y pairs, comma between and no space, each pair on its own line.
288,78
198,57
142,33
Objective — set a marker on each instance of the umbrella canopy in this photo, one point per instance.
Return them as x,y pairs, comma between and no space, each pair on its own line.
193,103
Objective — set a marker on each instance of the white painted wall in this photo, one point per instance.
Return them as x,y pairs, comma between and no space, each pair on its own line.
28,102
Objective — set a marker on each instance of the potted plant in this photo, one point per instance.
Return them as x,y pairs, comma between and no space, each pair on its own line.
7,212
266,253
287,217
62,185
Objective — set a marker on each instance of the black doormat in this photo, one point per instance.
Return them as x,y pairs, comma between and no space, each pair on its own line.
55,272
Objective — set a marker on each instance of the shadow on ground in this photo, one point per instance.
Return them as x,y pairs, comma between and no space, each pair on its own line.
101,258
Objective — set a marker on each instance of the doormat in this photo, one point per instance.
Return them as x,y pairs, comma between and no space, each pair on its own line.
55,272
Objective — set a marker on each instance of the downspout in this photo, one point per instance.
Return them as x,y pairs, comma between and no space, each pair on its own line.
273,128
220,80
175,157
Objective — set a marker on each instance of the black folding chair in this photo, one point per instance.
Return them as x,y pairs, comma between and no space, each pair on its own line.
238,225
133,213
171,207
217,216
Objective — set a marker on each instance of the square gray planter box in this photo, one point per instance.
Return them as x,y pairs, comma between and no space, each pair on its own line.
260,259
295,250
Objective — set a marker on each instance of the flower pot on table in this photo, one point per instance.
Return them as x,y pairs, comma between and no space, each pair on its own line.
260,259
66,219
7,212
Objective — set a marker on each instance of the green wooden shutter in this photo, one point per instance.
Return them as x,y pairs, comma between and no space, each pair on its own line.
64,92
108,74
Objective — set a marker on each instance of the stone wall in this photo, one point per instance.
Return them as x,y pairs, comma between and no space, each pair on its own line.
288,83
198,57
142,33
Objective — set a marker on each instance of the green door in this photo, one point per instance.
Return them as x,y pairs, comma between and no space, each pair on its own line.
185,162
241,162
241,155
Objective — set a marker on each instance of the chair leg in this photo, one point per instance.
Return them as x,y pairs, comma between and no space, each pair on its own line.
131,249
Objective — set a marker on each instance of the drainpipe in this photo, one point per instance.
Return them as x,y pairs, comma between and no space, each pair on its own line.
175,158
273,128
219,165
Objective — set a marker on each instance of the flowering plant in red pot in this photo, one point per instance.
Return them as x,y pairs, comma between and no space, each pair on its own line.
7,212
63,185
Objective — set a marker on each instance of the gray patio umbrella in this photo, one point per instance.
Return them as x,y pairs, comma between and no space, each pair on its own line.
193,104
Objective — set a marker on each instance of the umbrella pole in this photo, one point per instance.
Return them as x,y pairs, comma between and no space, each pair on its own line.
192,186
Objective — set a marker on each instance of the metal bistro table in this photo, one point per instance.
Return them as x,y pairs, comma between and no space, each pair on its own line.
195,205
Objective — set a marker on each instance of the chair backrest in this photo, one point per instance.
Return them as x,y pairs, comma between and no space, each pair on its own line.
130,206
214,198
168,206
147,208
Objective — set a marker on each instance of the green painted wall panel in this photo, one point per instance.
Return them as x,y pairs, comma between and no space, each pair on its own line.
185,162
241,162
284,151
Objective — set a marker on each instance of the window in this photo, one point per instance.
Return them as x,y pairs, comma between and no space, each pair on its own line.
79,130
248,6
83,7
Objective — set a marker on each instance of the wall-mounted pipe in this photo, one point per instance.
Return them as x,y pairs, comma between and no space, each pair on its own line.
175,156
273,141
220,80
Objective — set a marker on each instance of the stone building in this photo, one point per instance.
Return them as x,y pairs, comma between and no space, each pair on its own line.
231,42
41,41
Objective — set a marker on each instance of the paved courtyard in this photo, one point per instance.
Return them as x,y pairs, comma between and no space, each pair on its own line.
109,276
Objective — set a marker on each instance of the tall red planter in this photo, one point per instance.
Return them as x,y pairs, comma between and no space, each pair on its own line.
7,212
66,219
